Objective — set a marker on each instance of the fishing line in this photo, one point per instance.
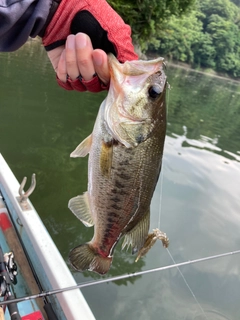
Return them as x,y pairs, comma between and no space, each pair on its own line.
188,286
160,200
121,277
161,175
159,221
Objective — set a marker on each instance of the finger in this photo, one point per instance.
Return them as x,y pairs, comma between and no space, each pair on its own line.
71,59
84,51
62,68
100,61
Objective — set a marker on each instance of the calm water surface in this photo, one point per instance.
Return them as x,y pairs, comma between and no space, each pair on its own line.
197,200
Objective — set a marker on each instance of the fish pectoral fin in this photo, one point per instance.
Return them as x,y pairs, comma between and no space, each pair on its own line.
137,236
83,148
106,158
80,207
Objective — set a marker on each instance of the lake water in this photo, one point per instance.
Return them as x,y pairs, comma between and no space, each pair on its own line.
197,199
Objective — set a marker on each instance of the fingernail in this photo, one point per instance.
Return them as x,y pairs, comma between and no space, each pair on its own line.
70,42
81,40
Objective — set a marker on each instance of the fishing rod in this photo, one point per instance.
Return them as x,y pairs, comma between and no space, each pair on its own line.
140,273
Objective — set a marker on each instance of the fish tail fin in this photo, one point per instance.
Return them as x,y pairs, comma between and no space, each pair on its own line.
85,257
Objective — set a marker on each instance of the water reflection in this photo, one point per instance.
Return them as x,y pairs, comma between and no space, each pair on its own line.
196,200
208,183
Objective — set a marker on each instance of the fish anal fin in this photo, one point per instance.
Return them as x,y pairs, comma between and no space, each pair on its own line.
137,236
106,158
85,257
83,148
80,207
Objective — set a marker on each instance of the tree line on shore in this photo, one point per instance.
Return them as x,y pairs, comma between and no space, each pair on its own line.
203,33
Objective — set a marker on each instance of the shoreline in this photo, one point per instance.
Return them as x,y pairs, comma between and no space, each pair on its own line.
210,73
186,66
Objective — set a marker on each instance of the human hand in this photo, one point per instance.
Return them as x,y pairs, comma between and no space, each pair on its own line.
78,58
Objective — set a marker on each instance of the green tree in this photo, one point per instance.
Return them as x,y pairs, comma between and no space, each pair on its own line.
209,37
147,17
181,37
226,40
205,52
223,8
237,2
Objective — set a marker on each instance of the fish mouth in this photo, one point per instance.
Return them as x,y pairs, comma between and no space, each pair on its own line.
128,93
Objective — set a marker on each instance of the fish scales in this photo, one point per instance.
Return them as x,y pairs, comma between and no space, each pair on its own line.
125,155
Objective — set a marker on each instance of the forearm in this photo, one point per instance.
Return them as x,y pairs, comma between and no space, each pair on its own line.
19,20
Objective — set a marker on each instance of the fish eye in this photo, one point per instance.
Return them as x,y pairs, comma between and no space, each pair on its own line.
154,91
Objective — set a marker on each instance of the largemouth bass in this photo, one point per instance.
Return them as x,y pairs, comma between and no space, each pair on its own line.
125,155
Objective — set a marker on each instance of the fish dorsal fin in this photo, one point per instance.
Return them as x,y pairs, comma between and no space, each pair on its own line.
137,236
106,158
83,148
80,207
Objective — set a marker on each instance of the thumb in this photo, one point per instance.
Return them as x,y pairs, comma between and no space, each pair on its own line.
54,56
100,61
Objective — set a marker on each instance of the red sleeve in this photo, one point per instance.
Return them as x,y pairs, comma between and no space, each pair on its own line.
119,33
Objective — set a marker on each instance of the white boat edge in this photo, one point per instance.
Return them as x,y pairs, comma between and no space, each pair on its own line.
72,302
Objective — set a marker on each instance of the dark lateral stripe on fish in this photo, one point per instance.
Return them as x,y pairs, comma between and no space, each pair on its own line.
123,176
115,206
109,234
124,163
120,192
110,225
113,215
115,199
119,185
113,218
